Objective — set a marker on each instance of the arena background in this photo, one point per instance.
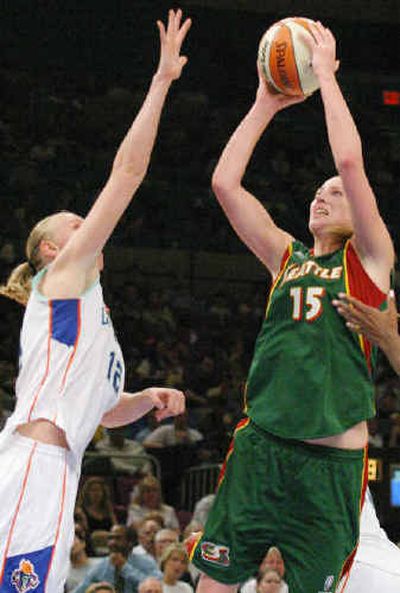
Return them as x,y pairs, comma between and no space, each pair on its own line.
72,75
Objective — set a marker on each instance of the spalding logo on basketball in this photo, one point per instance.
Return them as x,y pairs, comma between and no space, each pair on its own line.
285,57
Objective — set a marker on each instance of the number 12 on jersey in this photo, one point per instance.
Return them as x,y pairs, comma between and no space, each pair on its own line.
114,373
307,302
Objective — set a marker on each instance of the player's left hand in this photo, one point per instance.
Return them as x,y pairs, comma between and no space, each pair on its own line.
322,44
168,402
374,324
171,39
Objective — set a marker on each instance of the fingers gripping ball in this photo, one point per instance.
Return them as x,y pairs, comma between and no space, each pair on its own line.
285,57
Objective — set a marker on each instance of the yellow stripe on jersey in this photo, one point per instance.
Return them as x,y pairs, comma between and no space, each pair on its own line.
347,285
286,257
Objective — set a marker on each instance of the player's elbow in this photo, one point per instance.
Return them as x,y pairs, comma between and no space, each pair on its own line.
223,186
350,160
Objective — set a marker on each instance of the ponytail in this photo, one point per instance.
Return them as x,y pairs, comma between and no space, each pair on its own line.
19,283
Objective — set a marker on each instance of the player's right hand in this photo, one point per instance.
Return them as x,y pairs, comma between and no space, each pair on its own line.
272,98
171,38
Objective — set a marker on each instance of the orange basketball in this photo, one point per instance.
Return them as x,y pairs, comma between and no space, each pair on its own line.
285,57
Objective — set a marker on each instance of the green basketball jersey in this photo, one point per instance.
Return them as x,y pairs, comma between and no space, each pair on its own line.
311,376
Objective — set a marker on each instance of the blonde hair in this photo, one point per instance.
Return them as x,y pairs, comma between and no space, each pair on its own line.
148,482
19,283
171,549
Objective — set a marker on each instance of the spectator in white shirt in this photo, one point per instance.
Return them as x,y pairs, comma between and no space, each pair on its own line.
147,497
170,435
123,451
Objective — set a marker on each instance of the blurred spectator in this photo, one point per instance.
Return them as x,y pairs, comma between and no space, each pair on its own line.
174,563
146,532
151,423
164,538
269,581
394,438
122,452
203,374
156,516
170,435
80,562
387,408
95,500
202,508
81,520
146,498
150,585
120,568
375,439
272,561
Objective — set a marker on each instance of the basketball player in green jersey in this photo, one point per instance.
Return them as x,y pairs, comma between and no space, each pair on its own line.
295,474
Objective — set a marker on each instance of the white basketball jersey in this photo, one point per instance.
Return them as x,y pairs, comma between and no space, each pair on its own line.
71,365
375,548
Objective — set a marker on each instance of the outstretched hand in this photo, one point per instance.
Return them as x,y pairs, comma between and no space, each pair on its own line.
167,402
171,38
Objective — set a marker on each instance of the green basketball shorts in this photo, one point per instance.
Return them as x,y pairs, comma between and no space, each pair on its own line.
305,499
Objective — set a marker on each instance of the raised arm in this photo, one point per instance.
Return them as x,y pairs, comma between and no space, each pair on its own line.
133,156
371,237
246,214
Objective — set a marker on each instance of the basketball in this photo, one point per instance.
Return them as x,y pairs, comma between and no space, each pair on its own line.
285,57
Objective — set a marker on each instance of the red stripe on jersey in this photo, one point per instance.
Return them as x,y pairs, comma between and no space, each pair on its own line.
360,285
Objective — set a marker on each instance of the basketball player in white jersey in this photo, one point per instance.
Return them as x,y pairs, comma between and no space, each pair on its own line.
71,374
376,566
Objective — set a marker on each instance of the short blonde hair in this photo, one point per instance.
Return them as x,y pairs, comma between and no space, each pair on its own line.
171,549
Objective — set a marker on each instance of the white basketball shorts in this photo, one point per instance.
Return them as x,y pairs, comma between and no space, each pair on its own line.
38,487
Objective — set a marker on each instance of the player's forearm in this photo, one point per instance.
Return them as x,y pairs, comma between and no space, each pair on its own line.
130,407
135,150
344,139
237,153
